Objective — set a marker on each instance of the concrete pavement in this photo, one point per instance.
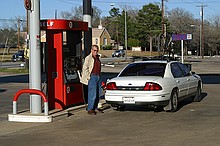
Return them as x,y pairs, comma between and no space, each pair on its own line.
90,129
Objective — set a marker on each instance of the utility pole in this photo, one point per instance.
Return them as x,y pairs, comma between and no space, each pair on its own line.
162,17
87,17
163,30
56,14
202,29
126,40
19,25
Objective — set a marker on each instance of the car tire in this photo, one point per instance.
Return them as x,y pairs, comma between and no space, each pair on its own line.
197,97
121,108
114,105
174,101
118,107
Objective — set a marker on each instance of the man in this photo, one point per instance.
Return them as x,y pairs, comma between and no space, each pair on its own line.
91,72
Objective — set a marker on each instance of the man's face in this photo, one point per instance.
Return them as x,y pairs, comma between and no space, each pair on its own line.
95,51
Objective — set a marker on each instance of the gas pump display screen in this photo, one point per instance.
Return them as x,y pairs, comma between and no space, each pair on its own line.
71,76
70,70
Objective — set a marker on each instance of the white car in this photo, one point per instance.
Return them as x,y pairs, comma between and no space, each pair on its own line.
155,83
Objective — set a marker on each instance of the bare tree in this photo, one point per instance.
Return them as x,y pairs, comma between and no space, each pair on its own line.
212,36
180,20
76,13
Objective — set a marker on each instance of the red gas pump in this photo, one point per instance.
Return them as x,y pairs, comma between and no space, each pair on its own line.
64,61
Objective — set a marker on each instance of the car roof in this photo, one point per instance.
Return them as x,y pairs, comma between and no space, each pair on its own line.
154,61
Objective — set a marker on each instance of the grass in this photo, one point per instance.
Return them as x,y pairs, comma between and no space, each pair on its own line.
14,70
108,53
7,56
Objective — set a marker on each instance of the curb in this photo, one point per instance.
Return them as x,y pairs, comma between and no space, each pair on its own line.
54,115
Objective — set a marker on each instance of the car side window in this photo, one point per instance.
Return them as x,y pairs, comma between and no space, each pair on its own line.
184,68
176,71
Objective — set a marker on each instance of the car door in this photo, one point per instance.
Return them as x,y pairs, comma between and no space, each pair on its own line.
180,79
191,80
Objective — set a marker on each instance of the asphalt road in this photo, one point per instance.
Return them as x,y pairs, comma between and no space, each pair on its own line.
194,124
12,64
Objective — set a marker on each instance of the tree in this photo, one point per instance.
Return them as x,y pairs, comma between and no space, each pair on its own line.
115,24
180,22
114,12
148,23
76,13
212,36
9,31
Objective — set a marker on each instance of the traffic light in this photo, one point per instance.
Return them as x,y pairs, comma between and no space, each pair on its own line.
27,4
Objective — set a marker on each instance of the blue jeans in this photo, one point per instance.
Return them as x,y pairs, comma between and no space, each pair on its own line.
94,92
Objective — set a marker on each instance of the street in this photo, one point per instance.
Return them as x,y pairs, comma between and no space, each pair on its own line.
12,64
195,124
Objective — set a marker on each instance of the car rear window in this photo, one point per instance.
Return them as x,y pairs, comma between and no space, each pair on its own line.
144,69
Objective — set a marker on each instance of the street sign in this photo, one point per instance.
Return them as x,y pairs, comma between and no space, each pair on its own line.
181,37
177,37
188,36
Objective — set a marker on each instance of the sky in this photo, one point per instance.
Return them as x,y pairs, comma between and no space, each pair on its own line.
11,9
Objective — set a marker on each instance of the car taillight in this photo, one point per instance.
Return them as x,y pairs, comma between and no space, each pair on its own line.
111,86
152,87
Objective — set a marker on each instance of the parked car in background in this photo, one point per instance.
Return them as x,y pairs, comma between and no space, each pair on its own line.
157,83
2,45
19,56
118,53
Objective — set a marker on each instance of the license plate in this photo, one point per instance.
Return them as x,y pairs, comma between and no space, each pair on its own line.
128,100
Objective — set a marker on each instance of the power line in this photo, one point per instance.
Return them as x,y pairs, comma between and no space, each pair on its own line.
70,1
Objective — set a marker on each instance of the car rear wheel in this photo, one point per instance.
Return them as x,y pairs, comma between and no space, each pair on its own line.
197,97
174,101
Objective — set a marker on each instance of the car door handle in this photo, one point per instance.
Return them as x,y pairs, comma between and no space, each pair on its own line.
188,79
177,81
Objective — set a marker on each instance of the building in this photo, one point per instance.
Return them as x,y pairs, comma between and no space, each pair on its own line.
100,36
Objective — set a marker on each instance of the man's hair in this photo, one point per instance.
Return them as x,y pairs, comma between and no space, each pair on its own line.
96,46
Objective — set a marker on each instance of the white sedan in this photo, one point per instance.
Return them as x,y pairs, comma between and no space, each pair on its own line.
155,83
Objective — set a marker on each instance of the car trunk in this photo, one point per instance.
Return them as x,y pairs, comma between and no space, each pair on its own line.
134,81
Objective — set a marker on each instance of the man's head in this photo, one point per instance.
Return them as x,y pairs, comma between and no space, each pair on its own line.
95,50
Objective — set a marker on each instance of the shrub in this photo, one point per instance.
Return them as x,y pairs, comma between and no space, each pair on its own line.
106,47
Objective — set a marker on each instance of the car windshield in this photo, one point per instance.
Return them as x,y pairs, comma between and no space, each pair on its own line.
144,69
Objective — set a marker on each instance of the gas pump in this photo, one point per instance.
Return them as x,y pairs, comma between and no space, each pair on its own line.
64,61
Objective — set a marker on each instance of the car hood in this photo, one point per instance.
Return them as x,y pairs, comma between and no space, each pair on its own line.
134,80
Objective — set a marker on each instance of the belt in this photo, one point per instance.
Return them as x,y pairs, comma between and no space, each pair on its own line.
95,74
